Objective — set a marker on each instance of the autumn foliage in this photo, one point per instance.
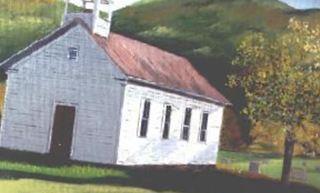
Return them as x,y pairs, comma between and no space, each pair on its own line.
280,79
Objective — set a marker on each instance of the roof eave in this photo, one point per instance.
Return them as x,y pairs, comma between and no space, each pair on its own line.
143,82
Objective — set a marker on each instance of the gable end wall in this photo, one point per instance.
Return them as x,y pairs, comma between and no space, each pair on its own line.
47,78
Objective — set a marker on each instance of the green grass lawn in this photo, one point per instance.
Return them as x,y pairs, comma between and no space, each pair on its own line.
78,172
17,176
38,186
273,166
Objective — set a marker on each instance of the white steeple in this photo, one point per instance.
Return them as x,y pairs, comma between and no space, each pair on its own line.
101,25
98,23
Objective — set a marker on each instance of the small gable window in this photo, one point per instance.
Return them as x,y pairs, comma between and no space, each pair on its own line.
145,119
186,124
203,128
73,53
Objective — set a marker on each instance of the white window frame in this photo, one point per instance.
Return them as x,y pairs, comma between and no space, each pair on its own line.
164,120
143,101
73,48
200,127
183,125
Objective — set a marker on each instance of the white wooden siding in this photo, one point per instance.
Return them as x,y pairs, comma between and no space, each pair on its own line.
106,131
48,77
134,150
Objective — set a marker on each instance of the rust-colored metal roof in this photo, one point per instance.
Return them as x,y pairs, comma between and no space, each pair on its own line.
141,61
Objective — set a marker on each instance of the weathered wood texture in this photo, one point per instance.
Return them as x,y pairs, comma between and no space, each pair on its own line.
134,150
47,78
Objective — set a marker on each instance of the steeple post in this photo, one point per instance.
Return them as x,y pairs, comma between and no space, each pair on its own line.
109,20
65,12
98,24
96,15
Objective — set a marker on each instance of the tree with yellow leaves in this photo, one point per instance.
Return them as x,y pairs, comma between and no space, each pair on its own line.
280,77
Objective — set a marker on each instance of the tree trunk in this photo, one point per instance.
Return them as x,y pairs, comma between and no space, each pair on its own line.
287,160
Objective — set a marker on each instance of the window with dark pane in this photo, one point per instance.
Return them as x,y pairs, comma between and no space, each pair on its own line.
167,120
73,53
145,119
186,124
204,126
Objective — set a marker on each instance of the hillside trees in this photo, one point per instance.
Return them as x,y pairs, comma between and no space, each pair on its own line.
280,77
22,22
207,32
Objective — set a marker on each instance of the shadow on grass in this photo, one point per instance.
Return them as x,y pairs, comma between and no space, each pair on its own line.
179,179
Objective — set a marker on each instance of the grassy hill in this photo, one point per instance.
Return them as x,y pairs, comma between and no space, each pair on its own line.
205,31
22,22
208,32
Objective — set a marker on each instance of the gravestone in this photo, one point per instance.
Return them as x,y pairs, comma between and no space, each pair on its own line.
304,164
318,169
298,174
254,167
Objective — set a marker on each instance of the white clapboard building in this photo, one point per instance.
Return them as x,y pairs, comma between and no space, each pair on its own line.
85,94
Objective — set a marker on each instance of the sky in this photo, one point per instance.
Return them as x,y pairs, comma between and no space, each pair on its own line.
303,4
